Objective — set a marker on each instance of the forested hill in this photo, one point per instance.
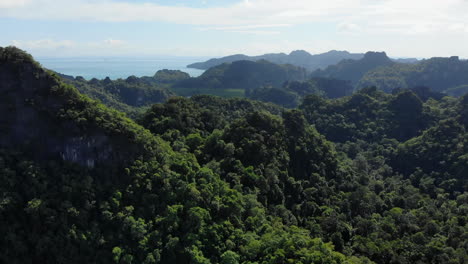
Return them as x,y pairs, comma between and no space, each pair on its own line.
212,180
447,75
440,74
353,70
49,119
154,202
245,75
298,58
292,93
131,95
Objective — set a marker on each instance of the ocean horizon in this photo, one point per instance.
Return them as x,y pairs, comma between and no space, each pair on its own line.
118,67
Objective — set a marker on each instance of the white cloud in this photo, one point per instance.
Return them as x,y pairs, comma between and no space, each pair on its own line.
246,27
52,47
346,27
248,48
265,29
416,16
394,25
47,44
114,42
255,32
13,3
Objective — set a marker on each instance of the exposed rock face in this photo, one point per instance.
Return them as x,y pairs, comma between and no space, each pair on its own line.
85,150
39,116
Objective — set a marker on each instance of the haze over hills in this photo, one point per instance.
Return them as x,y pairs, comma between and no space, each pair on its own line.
245,75
285,85
353,70
299,58
441,74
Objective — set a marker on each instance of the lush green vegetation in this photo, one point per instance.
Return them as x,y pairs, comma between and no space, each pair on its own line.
245,75
227,93
169,76
284,85
131,95
354,70
440,74
444,75
291,94
367,178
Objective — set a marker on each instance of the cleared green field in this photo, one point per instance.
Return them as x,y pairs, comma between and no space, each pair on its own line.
227,93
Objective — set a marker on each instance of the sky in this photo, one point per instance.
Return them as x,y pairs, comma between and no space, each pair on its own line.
74,28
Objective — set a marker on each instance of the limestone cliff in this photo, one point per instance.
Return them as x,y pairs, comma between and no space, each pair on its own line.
47,119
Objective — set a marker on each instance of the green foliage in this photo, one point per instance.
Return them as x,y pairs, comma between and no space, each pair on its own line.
370,115
170,76
226,93
440,74
292,93
131,95
230,257
354,70
275,95
212,180
246,75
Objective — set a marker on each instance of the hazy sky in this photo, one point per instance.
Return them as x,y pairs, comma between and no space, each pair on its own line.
402,28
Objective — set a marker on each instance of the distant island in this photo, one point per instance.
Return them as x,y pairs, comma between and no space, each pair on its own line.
299,58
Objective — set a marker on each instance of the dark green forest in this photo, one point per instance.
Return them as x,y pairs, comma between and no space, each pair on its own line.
245,75
337,177
353,70
131,95
441,74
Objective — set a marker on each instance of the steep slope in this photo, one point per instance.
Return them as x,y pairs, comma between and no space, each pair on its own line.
50,120
353,70
298,58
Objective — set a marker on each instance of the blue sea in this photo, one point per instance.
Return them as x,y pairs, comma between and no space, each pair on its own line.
118,67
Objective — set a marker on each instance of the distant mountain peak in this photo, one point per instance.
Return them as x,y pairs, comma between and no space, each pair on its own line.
374,55
299,53
337,52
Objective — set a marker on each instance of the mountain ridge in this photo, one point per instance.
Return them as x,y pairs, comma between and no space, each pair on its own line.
299,58
353,70
246,75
